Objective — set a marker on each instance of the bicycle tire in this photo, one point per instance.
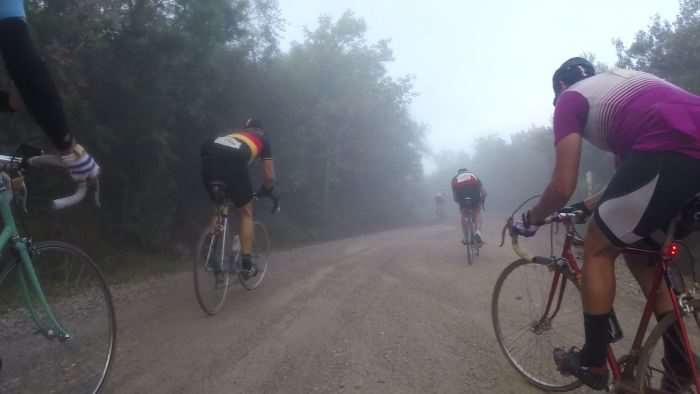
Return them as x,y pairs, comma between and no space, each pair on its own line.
477,246
81,301
553,381
649,361
202,272
261,255
468,238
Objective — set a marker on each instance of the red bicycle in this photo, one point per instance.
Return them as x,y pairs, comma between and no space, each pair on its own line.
469,228
536,307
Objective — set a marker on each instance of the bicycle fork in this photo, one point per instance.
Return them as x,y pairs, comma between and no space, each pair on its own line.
29,283
558,285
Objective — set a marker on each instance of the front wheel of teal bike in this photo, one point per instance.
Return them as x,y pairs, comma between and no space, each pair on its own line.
65,345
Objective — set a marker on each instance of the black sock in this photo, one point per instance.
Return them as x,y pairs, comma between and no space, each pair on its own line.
673,345
595,351
246,261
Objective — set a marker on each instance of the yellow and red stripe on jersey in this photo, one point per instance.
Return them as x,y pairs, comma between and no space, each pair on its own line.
253,142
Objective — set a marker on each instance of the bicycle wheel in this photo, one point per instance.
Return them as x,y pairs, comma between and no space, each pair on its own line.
653,373
211,268
476,245
78,297
527,337
468,239
261,256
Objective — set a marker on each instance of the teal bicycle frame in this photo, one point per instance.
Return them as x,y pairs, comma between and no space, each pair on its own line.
27,277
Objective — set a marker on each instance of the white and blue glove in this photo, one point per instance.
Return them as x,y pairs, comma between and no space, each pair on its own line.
80,164
524,227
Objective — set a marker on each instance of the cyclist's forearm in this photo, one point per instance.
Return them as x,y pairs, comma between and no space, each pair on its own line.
268,173
33,80
552,200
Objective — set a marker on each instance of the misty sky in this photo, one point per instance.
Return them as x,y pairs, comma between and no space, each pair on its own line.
484,67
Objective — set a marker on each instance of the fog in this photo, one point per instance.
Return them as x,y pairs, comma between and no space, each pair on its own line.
370,107
483,67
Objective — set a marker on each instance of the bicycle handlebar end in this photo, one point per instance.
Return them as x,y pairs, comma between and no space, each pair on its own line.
69,201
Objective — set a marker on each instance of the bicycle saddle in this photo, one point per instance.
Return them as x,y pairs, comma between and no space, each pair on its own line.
218,191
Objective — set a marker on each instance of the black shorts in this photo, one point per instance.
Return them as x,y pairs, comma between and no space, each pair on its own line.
230,166
645,194
468,197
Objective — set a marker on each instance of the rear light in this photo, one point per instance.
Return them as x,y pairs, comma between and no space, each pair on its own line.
673,249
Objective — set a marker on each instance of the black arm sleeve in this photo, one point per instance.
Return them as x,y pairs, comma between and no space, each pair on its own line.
5,105
33,80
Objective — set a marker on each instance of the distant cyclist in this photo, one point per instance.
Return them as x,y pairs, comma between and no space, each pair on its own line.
37,90
440,205
226,159
468,192
653,129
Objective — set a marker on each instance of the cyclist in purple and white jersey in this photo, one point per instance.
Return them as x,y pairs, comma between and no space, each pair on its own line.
653,129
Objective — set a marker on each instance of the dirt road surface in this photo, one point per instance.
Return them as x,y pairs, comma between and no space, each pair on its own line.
393,312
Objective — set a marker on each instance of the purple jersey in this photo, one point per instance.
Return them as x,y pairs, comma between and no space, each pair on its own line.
622,110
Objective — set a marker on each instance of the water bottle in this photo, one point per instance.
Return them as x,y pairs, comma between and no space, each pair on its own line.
614,329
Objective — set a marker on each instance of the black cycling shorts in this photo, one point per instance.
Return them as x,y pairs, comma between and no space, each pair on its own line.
465,193
230,166
648,190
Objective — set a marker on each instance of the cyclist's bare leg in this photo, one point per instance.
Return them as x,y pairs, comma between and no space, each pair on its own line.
597,295
477,218
598,271
463,223
246,228
644,273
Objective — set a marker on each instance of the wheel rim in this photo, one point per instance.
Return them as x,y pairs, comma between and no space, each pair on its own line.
211,285
656,375
82,303
525,338
469,247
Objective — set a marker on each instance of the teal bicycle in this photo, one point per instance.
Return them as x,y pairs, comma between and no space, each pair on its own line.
57,321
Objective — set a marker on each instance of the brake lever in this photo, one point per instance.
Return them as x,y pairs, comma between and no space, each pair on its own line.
507,227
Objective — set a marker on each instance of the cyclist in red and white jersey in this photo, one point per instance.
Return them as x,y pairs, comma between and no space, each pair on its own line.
469,193
653,129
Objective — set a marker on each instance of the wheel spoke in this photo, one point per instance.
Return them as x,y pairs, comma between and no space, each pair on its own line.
81,303
210,284
525,336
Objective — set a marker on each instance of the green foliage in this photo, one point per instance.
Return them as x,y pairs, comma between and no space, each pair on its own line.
147,81
670,50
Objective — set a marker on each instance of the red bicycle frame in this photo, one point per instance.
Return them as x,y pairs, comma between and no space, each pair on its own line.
559,283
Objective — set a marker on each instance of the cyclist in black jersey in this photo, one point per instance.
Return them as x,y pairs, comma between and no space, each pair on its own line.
37,90
225,160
